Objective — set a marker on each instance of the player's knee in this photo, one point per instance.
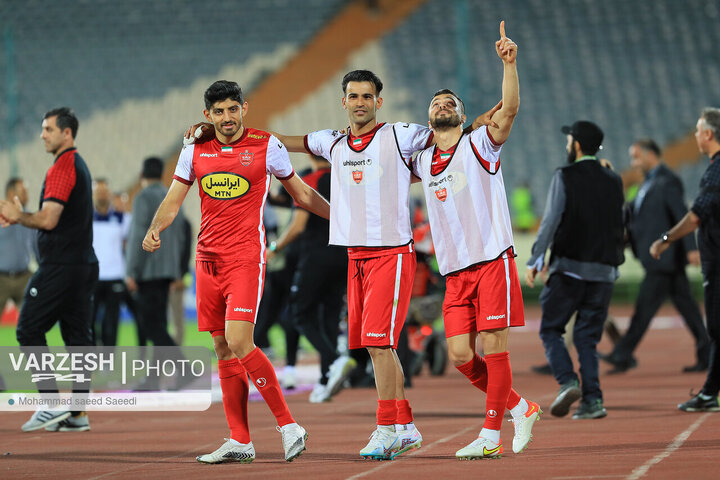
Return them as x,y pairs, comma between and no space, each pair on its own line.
460,354
222,350
240,346
379,352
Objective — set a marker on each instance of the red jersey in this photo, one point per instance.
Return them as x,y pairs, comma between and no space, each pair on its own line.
233,181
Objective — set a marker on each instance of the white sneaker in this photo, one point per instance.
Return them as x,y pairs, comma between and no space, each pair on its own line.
80,423
480,448
381,444
293,440
319,394
407,440
524,425
289,378
338,373
230,451
44,418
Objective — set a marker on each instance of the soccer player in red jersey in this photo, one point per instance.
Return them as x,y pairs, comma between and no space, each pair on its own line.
472,234
233,173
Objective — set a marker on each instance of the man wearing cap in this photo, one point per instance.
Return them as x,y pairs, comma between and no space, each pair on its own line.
583,225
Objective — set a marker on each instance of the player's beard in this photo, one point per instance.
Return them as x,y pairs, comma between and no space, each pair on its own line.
232,132
446,122
571,156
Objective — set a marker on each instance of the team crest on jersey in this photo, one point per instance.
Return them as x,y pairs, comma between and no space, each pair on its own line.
246,158
441,194
224,185
357,175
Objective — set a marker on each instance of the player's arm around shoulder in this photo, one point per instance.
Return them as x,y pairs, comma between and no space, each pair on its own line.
165,214
293,143
306,196
507,51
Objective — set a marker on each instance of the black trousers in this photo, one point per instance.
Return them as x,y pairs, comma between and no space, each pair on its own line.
109,294
317,300
560,299
654,289
274,309
152,296
58,293
711,284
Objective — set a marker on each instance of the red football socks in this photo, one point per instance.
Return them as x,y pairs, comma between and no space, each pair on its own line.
387,412
234,385
476,371
499,384
404,412
263,375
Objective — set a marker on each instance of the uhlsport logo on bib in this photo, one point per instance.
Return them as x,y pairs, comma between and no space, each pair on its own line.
224,185
261,382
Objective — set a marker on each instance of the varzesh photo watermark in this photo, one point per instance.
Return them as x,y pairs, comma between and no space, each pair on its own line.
105,378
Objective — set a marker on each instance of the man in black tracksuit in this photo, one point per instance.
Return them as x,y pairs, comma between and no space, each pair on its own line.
318,286
61,289
583,225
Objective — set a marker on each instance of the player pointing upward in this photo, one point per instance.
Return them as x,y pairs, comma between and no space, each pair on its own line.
471,230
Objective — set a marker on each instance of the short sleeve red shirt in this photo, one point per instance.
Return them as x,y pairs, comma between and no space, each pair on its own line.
233,181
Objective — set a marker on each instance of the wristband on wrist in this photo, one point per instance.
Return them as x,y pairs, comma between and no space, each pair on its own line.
273,246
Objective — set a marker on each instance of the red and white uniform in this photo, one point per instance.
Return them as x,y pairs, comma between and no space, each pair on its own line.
370,214
233,182
370,183
471,230
466,201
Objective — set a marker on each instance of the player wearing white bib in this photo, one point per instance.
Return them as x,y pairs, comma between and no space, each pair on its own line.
471,230
370,214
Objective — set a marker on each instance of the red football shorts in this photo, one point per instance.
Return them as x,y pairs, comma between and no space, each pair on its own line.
227,291
379,290
486,296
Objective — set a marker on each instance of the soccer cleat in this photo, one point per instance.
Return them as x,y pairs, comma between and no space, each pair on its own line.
79,423
381,444
339,372
699,404
480,448
523,427
319,394
230,451
568,394
289,378
407,440
44,418
293,440
590,410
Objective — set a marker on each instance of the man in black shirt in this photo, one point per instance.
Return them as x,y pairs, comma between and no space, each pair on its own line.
705,215
61,288
318,286
658,205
